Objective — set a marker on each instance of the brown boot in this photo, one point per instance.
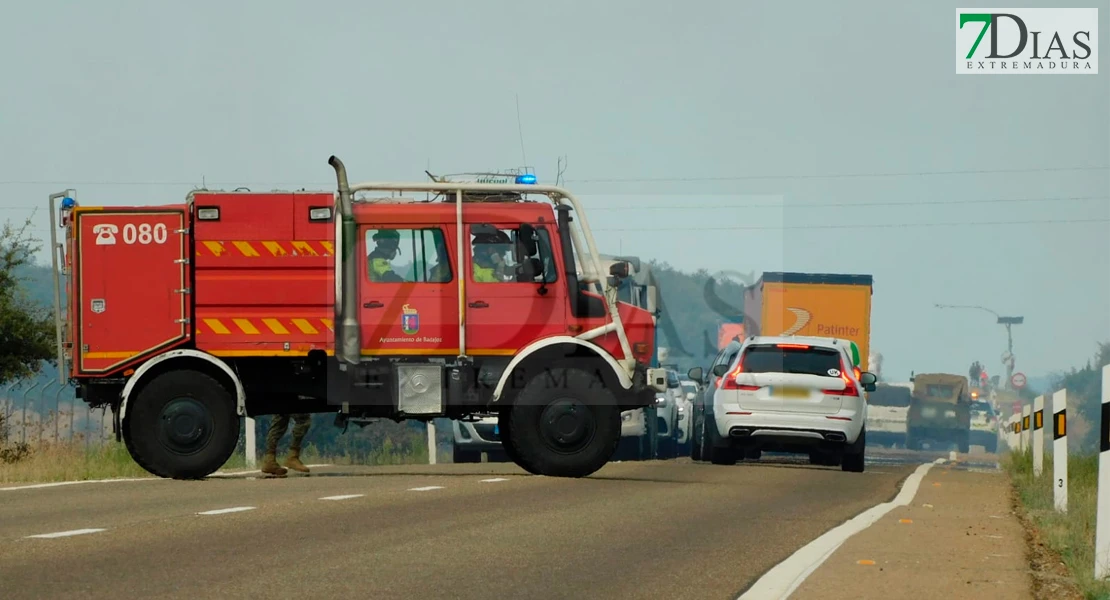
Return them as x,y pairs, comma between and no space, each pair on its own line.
294,461
270,466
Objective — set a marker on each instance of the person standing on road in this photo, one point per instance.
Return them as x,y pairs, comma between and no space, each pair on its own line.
278,425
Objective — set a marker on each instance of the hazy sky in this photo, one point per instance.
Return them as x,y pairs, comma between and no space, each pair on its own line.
844,123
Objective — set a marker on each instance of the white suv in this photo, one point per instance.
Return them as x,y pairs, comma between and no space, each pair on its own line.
789,394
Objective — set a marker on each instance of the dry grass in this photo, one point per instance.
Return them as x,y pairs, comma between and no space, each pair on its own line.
74,462
96,454
71,462
1070,535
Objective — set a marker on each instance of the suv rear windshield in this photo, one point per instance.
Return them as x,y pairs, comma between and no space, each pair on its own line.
773,359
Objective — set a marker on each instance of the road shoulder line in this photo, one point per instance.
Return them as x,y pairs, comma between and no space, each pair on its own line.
785,577
35,486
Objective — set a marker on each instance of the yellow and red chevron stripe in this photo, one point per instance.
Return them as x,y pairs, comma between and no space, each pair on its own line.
258,249
277,325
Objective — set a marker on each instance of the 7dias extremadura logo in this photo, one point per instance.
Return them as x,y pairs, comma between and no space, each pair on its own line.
1027,41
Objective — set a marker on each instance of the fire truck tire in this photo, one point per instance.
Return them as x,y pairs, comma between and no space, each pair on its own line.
182,425
504,425
564,423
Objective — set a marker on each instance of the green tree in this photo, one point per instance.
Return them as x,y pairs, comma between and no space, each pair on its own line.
26,327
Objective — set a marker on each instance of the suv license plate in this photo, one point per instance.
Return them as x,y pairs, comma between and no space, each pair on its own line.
789,392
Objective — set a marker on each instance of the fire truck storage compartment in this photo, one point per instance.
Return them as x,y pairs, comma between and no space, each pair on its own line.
264,272
130,286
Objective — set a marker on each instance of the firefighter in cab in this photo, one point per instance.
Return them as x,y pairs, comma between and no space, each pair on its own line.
489,257
381,257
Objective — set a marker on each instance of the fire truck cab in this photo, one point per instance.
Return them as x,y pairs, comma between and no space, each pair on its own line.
475,299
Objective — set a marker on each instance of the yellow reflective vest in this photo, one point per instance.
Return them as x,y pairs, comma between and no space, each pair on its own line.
378,268
484,274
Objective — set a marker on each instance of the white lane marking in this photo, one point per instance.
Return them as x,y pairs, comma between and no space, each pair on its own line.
244,472
494,480
346,497
426,488
785,577
221,511
65,533
37,486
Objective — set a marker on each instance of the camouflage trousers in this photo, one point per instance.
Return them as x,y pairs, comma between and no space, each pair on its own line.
278,425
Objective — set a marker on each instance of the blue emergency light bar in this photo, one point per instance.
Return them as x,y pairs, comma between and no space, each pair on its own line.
68,203
526,179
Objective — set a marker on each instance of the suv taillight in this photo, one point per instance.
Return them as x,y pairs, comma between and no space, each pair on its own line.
728,382
850,388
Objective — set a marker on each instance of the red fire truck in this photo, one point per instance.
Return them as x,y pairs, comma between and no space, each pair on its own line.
184,317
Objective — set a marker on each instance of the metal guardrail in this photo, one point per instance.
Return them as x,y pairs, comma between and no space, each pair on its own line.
39,411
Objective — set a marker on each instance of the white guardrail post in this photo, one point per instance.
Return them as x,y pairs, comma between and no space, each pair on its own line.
1102,516
1038,436
431,443
1060,450
249,444
1025,433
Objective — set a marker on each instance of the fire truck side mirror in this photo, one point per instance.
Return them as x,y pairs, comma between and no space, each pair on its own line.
526,240
619,270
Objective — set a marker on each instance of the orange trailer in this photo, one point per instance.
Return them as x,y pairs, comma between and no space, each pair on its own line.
823,305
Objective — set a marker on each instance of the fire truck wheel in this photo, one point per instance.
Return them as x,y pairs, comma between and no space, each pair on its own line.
182,425
504,425
564,423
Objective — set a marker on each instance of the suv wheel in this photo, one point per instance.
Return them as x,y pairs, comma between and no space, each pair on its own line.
853,458
721,451
695,436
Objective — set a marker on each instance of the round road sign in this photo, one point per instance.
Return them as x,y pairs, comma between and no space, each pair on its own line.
1018,380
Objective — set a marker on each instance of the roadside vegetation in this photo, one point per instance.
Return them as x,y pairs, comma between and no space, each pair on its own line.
1071,536
45,461
74,461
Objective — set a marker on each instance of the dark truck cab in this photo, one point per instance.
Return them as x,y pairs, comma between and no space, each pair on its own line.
940,412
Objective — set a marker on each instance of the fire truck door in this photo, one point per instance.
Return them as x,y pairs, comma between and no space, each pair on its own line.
131,284
504,313
408,294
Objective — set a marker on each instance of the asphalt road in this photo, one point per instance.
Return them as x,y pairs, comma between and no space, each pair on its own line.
661,529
